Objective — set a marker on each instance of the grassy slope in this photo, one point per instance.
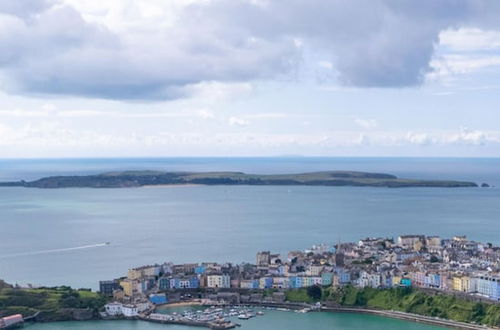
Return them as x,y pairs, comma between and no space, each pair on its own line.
29,301
414,301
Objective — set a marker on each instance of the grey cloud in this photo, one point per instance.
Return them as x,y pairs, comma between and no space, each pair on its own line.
379,43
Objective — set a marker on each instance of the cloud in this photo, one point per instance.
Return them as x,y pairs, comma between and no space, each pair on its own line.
235,121
52,137
159,50
470,39
419,138
448,66
205,114
366,123
470,137
362,140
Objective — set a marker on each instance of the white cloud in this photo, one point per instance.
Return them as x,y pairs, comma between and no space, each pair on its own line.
214,91
236,121
470,39
54,136
267,115
362,140
326,65
205,114
474,137
157,50
446,67
366,123
419,138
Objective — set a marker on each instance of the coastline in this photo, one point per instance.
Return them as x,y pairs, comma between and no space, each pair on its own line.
409,317
173,185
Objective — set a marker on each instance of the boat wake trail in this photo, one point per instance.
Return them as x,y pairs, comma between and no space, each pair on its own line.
33,253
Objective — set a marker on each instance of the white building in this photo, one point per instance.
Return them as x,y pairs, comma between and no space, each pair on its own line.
369,280
114,308
314,270
218,281
130,310
408,241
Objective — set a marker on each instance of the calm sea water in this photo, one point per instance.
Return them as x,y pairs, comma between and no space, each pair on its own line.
271,321
52,237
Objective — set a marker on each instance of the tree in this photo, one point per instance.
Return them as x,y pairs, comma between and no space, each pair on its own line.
314,292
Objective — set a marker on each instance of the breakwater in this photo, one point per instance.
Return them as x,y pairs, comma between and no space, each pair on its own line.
166,319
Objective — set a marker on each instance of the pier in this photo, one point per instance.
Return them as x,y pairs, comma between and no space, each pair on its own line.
168,319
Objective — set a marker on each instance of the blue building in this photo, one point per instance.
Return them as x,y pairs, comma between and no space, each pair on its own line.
164,283
295,282
405,282
344,277
266,282
158,299
191,282
200,270
326,279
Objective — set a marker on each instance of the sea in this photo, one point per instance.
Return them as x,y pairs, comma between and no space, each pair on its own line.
78,236
272,320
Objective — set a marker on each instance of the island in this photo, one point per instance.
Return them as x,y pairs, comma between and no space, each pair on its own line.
127,179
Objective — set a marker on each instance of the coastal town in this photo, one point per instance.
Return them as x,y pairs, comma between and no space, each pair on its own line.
435,272
455,265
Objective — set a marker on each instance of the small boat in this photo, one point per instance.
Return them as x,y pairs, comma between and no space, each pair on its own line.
108,243
260,313
243,316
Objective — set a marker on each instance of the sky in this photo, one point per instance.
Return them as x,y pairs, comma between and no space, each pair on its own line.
141,78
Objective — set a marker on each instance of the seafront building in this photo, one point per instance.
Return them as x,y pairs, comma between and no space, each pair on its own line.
457,265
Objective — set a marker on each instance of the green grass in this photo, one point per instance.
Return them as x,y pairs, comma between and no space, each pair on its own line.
28,301
418,302
298,295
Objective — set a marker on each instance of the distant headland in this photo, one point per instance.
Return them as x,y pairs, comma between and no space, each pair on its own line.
128,179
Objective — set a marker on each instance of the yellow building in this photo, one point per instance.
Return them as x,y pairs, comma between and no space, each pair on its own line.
396,280
461,283
129,287
135,273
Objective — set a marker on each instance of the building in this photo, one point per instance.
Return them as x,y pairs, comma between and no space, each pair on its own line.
158,298
462,283
249,284
281,282
266,283
326,279
408,241
371,280
130,287
130,310
263,258
113,309
488,286
433,243
186,282
218,281
108,287
314,270
11,321
144,271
